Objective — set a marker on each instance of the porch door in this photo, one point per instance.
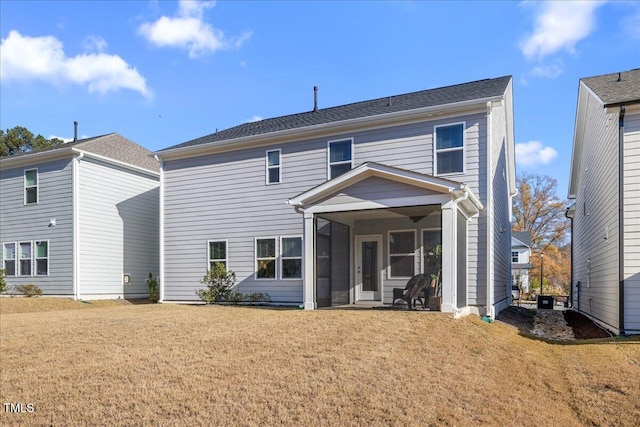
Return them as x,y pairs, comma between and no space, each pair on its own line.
369,268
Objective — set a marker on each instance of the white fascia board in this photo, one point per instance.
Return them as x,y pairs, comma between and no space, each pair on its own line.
361,123
578,134
34,158
379,204
124,165
367,170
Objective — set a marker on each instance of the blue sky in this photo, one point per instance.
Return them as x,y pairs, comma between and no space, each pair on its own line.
164,72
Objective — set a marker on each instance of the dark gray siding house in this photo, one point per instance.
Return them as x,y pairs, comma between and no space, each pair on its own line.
341,205
81,220
605,184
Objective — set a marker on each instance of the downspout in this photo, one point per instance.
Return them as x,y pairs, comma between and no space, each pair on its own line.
621,219
75,165
489,214
567,215
161,225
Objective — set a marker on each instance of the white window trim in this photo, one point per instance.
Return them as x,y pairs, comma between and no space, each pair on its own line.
255,258
282,258
209,259
329,164
24,186
444,150
19,264
35,258
267,167
14,259
422,230
517,256
389,254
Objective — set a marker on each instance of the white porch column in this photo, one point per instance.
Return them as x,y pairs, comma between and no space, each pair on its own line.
309,293
449,260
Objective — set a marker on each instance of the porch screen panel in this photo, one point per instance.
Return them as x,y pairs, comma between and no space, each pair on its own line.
339,264
461,289
323,262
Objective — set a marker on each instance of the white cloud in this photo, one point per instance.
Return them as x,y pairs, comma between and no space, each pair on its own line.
189,31
533,153
94,44
43,58
254,119
547,71
559,25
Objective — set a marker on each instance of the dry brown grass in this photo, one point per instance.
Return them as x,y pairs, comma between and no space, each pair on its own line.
195,365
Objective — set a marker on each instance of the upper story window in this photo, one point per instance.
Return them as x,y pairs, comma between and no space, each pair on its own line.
515,257
217,253
340,157
30,186
273,161
449,148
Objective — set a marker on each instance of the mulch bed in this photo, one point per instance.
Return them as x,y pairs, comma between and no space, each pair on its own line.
583,327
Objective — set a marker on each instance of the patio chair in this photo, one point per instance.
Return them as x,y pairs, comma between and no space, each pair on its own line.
415,290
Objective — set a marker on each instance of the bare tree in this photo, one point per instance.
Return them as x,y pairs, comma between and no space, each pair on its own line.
538,210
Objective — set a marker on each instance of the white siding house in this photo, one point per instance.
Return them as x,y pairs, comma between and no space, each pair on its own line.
605,184
341,205
520,259
81,220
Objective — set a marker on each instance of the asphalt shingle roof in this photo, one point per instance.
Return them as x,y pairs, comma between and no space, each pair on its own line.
113,146
523,236
616,88
480,89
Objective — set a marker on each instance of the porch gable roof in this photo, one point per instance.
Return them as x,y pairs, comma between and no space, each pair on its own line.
372,169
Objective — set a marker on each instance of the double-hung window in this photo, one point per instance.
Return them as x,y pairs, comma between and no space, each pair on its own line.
26,258
217,253
273,164
449,148
340,157
266,258
9,258
515,258
42,258
30,186
402,249
291,257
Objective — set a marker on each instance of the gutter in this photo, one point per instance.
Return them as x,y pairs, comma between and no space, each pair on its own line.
76,226
289,135
621,219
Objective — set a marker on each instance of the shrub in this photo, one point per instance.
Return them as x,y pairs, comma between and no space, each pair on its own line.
154,289
218,283
3,284
29,290
258,297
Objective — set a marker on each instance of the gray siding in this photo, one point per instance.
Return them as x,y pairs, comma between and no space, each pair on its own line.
118,230
632,222
31,222
224,197
595,232
499,211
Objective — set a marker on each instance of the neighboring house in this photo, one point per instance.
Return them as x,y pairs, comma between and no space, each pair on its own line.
605,184
520,259
80,220
341,205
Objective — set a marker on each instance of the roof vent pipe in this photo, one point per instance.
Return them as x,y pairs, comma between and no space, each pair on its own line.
619,77
75,131
315,98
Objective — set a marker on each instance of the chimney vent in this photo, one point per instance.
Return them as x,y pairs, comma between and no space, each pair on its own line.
75,131
315,98
619,77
